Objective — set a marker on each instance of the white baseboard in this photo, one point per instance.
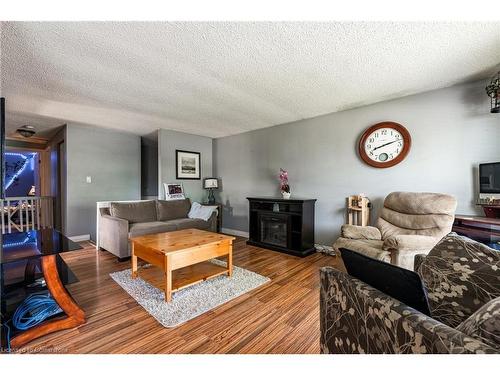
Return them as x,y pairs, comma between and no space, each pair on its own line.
82,237
235,232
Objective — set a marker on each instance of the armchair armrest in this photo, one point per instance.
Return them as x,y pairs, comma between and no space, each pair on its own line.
113,235
356,318
404,247
356,232
410,242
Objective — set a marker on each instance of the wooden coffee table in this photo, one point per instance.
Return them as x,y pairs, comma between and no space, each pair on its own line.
182,256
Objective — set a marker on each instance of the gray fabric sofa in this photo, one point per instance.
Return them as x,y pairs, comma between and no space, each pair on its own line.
124,220
409,224
462,281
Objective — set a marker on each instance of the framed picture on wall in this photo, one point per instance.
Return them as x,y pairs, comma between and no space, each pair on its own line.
188,165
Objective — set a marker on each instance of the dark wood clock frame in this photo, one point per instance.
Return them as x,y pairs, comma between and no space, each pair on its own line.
387,124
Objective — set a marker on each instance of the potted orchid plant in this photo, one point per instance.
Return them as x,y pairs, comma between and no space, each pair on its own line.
284,187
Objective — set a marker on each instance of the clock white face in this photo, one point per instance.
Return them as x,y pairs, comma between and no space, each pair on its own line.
384,145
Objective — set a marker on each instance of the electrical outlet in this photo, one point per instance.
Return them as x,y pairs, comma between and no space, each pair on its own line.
89,179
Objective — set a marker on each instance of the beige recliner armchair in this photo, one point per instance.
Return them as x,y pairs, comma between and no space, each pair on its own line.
409,224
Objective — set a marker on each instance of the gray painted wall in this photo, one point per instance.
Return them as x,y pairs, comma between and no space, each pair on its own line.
168,142
452,131
112,159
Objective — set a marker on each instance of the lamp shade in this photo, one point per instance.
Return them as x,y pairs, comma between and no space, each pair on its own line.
211,183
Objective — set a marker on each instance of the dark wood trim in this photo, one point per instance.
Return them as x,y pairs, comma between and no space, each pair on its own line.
387,124
75,316
479,228
279,199
177,165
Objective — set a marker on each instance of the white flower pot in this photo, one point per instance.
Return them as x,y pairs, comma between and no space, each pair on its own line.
285,195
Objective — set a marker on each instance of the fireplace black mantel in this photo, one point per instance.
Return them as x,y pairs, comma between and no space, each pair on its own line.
285,225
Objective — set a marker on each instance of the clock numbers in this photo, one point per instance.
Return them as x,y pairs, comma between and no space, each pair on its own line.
384,145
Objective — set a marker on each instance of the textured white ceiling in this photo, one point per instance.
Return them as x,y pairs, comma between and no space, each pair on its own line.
222,78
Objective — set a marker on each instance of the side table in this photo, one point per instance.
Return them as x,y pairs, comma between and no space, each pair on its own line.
35,251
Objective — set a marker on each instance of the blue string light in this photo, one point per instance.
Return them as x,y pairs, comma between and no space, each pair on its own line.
26,160
27,239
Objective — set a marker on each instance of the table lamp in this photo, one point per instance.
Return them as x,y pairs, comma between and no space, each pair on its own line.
211,184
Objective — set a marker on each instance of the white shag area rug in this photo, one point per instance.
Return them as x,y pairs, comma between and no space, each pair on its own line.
192,301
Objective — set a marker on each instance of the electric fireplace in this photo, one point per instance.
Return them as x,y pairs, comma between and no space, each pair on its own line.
285,225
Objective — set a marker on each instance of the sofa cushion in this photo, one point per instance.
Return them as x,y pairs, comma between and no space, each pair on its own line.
484,324
134,212
176,209
141,229
460,276
190,223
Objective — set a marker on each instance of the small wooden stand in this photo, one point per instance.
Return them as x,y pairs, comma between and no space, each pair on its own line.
358,210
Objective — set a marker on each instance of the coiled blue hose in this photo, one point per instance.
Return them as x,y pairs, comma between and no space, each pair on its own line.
34,310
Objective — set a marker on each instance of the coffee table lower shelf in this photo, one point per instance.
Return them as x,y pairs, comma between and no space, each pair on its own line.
182,257
183,277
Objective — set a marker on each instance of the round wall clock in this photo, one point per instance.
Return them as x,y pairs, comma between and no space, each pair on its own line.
384,144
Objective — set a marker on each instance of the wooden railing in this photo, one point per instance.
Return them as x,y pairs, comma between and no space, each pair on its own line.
22,214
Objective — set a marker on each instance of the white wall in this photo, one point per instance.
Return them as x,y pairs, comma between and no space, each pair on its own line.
452,131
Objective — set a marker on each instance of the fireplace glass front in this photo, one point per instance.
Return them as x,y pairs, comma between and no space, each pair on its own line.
273,230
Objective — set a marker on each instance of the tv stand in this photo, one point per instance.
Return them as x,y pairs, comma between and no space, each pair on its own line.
479,228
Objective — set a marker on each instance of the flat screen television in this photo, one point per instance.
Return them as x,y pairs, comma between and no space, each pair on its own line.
489,180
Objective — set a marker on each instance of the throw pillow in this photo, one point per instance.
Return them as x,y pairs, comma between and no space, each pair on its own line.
198,211
460,276
484,324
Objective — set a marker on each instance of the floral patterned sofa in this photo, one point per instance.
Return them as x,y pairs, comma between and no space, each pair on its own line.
462,278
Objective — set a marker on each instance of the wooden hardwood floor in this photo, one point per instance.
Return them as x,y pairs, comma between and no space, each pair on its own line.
279,317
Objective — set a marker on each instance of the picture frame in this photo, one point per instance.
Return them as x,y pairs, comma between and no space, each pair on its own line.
173,191
188,165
